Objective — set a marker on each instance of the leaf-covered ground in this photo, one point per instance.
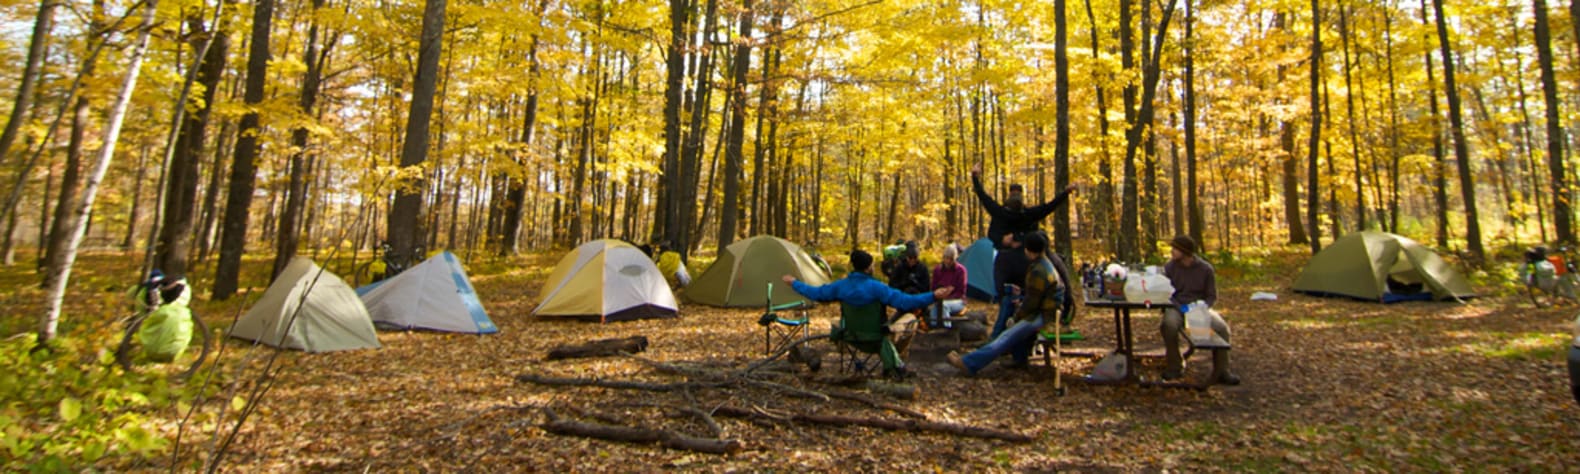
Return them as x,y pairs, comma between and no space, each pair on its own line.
1330,385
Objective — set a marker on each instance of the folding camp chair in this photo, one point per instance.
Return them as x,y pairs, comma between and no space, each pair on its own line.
780,330
861,336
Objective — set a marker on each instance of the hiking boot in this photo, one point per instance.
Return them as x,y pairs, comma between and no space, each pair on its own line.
1226,378
1170,375
955,360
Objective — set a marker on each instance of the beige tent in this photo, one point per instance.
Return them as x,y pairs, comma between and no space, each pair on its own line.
741,275
1382,267
308,309
606,280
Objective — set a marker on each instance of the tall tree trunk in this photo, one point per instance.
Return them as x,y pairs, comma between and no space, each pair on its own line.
1349,101
669,190
1192,205
1456,123
1555,132
1440,162
1393,125
1062,239
1315,140
43,24
733,155
1104,213
1129,221
70,181
1137,133
403,231
243,172
181,186
289,235
60,269
134,208
1290,162
210,214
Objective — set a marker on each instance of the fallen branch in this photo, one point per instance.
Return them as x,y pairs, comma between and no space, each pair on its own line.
600,348
840,394
619,384
562,426
894,425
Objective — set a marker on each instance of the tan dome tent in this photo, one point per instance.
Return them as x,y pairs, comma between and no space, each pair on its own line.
331,318
1382,267
606,280
740,277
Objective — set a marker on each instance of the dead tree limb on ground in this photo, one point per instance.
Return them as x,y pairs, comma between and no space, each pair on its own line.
600,348
895,425
563,426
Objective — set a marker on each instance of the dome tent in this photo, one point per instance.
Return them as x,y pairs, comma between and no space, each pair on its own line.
330,318
1382,267
978,260
606,280
740,277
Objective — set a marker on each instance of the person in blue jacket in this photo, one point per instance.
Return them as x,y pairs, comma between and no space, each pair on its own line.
860,288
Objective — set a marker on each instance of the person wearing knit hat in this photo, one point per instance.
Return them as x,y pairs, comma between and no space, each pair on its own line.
1194,283
1046,295
859,288
951,274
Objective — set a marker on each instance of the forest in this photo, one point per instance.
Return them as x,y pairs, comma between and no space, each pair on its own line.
216,140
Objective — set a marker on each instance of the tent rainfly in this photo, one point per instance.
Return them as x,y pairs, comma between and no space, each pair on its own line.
740,277
1382,267
308,309
606,280
978,260
435,295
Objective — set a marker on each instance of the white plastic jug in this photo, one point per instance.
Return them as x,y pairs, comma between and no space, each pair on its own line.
1151,289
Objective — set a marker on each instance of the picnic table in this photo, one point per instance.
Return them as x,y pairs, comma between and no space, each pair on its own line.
1124,341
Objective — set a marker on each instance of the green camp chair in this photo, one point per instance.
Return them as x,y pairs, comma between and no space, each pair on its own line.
780,330
859,337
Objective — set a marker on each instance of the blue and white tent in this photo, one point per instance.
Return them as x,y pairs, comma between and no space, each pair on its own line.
434,295
978,260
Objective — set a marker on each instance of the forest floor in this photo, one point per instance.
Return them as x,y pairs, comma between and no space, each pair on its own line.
1329,385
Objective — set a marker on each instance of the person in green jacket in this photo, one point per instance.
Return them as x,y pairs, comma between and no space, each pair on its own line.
167,329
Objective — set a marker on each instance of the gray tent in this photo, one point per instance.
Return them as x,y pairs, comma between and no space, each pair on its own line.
331,318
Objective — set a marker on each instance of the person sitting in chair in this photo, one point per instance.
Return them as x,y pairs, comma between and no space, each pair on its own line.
859,288
949,274
1194,281
1045,295
908,274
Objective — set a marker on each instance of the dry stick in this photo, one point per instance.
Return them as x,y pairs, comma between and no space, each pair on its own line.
876,403
894,425
671,440
619,384
706,417
208,378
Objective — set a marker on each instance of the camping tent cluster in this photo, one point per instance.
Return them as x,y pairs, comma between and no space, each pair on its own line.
310,309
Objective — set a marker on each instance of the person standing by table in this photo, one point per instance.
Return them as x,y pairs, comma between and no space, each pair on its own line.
1194,281
1046,294
1006,223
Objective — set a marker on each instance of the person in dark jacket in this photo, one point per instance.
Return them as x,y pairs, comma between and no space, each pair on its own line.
1047,293
1007,222
908,274
1195,283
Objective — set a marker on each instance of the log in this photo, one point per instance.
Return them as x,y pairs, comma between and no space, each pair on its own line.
629,434
903,391
600,348
620,384
887,424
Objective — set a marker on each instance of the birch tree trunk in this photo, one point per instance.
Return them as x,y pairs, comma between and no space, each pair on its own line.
60,270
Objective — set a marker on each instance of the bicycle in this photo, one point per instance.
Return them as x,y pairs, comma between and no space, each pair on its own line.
1549,276
386,264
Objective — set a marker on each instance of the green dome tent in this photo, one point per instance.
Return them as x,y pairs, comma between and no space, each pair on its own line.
1360,265
740,277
